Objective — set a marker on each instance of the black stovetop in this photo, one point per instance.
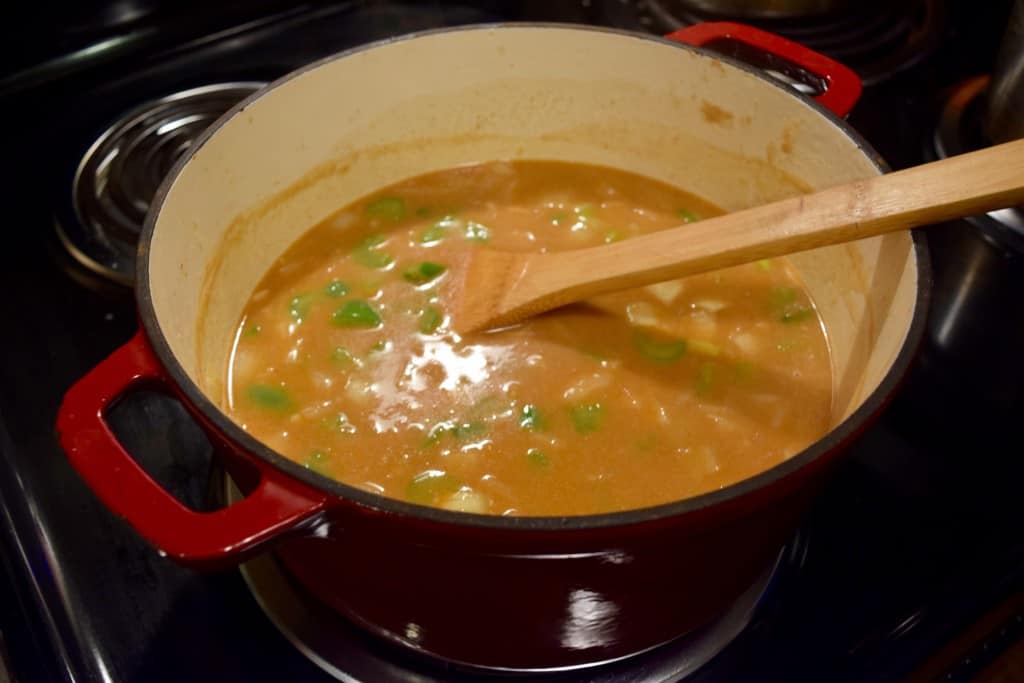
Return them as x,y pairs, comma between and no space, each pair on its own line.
915,539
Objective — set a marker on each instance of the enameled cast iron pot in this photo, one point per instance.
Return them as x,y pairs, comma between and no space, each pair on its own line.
493,591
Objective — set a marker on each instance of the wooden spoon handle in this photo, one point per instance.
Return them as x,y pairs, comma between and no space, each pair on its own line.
952,188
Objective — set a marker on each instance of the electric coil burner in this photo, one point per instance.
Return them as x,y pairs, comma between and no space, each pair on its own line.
120,173
877,40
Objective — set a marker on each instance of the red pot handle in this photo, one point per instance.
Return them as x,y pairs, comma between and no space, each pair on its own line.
199,539
842,85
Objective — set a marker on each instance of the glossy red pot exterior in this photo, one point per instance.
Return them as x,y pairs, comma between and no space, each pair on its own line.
517,593
542,599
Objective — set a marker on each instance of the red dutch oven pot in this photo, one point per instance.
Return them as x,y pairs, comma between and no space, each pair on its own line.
509,592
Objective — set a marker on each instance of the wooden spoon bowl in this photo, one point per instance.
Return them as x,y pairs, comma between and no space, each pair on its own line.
490,288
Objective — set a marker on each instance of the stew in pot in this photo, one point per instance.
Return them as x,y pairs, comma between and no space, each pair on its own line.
344,359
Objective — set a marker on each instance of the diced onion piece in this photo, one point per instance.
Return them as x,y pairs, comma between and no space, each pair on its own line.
745,342
588,385
477,232
344,220
641,313
244,363
709,305
727,421
702,323
666,292
706,459
358,390
467,500
321,380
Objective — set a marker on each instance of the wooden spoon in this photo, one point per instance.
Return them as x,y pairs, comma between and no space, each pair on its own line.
494,288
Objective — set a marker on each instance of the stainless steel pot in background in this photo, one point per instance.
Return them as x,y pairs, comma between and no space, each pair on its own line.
1004,105
979,262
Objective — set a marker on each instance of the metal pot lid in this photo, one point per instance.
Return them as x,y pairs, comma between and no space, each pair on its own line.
960,130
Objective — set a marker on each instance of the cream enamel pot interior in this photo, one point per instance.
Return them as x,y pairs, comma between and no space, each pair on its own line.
532,593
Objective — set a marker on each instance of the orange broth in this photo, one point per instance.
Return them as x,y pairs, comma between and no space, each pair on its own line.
345,361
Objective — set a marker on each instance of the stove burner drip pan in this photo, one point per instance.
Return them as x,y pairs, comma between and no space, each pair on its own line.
120,173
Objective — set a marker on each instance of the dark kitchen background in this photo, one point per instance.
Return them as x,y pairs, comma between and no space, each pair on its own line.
911,566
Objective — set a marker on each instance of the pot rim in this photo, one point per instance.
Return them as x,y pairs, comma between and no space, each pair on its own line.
829,443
